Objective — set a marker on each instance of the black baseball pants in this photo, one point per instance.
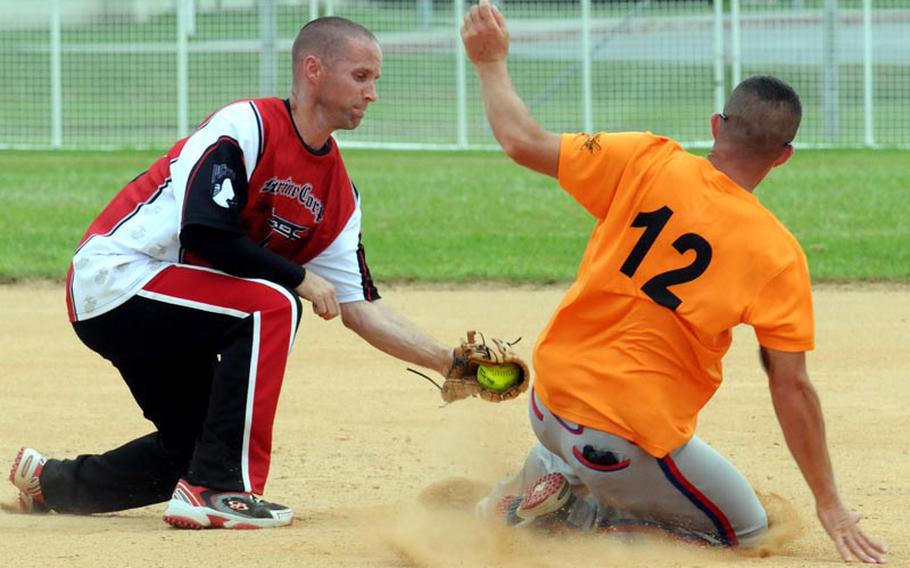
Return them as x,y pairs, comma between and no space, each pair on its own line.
203,354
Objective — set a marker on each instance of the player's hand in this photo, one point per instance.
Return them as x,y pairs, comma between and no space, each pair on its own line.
321,294
842,526
484,33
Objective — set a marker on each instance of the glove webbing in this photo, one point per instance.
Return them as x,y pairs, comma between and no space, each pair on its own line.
455,359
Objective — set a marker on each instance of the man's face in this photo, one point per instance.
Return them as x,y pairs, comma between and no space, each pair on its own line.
349,83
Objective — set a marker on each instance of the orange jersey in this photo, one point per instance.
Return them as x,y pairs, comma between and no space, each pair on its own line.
680,255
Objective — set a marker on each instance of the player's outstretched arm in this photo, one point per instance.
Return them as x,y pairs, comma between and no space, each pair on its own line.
385,329
799,413
486,41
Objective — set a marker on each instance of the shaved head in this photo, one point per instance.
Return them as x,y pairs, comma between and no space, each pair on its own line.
336,63
327,38
761,117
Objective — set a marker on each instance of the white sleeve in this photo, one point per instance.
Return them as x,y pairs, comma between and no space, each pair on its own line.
342,265
239,122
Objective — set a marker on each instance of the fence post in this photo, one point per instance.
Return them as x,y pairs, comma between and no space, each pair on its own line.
719,94
424,13
867,74
190,17
829,56
268,55
461,88
736,59
314,9
56,76
329,7
586,97
182,68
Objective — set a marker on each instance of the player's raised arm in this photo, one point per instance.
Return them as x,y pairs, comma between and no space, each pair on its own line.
800,416
486,40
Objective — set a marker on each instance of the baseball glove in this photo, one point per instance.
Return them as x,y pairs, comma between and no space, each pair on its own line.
461,380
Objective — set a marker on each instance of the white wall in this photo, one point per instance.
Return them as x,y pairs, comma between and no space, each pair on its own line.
14,14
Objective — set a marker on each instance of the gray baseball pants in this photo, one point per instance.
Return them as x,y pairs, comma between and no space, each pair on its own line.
693,493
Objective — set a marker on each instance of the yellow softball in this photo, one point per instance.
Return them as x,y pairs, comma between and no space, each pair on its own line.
498,378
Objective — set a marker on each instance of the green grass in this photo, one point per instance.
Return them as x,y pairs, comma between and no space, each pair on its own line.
47,201
449,217
849,211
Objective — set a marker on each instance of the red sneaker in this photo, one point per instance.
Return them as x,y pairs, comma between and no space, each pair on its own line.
547,502
196,507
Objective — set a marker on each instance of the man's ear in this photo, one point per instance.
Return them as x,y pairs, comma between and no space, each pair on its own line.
715,124
785,155
311,68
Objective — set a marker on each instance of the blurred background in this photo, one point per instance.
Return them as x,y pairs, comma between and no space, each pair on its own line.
133,74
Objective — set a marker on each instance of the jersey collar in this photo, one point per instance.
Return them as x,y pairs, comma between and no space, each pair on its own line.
316,152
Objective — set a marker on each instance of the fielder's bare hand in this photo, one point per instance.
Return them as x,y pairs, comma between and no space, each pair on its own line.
842,526
484,33
321,294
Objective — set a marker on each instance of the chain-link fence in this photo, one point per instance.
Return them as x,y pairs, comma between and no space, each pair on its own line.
140,73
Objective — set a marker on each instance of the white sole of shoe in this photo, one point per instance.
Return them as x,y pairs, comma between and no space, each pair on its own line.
22,475
182,515
548,494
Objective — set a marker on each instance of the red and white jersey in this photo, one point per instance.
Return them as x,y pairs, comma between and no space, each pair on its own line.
245,170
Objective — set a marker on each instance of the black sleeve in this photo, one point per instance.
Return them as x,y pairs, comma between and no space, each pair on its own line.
216,188
236,254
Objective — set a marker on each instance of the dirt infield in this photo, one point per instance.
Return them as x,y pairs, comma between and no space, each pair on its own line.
378,473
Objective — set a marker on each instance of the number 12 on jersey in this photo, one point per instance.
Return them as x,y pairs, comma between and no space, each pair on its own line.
657,288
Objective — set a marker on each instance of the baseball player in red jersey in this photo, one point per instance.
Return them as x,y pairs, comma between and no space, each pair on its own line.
681,252
188,283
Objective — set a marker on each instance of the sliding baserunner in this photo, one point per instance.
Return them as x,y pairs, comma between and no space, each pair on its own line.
682,252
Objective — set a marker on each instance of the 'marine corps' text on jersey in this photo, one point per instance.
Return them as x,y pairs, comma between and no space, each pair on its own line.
245,170
302,193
